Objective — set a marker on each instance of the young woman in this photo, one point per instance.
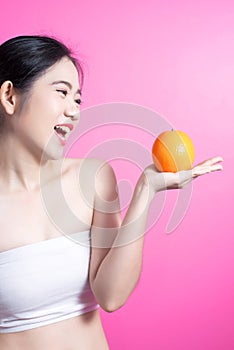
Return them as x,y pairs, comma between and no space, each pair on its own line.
51,287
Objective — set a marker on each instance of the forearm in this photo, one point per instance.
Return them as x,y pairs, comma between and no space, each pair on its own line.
119,272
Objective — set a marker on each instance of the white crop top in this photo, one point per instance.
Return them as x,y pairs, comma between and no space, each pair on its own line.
45,282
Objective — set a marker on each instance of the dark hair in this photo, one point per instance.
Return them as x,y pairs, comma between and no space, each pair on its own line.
23,59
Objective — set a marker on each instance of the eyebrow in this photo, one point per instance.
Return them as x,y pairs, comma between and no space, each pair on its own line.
66,83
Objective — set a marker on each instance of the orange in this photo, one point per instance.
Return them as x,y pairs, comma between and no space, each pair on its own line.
173,151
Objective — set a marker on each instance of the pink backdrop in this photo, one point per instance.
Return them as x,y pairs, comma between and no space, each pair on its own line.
177,58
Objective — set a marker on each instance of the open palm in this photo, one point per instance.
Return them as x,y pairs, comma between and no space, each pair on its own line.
159,181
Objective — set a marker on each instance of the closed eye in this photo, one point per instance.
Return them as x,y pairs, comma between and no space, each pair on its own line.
64,92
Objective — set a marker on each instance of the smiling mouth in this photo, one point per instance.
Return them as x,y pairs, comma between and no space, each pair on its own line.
63,130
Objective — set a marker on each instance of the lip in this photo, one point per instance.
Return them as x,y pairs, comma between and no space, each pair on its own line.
62,141
70,126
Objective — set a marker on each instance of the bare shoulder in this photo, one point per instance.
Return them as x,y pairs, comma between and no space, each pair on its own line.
91,174
95,177
88,166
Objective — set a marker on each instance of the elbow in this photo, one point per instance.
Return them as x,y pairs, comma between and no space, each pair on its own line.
116,302
112,306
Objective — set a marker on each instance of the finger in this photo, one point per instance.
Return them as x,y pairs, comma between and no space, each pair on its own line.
217,159
201,170
217,167
212,161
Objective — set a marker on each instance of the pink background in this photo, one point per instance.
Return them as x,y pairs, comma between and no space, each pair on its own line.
177,58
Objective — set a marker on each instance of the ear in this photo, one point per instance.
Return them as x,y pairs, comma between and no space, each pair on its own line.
8,97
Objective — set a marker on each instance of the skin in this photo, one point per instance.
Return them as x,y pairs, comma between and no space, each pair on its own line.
28,130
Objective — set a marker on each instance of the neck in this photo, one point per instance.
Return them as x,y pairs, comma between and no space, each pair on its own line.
21,170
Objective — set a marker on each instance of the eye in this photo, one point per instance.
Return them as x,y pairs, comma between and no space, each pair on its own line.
64,92
78,101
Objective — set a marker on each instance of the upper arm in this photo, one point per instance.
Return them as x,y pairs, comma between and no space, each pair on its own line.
106,216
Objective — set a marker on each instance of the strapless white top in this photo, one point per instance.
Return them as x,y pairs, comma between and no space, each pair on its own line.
45,282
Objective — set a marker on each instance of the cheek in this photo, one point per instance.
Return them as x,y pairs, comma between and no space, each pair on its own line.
47,109
42,113
54,105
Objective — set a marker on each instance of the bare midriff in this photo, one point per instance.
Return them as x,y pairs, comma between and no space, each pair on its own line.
84,332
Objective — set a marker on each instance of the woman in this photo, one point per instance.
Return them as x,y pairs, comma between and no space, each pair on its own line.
51,288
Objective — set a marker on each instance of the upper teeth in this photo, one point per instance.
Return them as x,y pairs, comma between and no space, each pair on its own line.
63,128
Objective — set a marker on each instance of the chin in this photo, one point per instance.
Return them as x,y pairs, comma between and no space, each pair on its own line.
52,153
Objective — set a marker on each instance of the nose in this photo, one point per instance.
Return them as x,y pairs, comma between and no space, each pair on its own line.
72,110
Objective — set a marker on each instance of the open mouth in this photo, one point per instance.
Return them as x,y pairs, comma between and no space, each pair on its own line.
63,130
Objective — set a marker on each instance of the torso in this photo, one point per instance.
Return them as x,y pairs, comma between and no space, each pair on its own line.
30,218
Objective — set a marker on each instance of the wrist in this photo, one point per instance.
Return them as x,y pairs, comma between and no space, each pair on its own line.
144,189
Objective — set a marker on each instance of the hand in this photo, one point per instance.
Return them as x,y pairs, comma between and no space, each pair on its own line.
160,181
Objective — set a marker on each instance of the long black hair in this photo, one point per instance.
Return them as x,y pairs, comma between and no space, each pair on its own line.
23,59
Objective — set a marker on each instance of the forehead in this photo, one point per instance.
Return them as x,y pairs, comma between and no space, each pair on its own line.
64,70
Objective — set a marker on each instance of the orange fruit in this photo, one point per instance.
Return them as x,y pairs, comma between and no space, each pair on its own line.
173,151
